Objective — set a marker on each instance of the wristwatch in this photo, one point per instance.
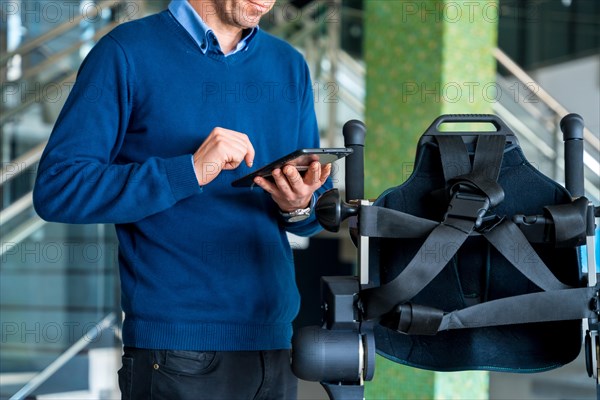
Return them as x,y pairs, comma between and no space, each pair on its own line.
297,215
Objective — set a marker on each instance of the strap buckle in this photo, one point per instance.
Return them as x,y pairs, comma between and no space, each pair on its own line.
468,206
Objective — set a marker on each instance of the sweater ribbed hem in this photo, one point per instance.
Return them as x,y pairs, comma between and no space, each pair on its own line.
206,336
182,178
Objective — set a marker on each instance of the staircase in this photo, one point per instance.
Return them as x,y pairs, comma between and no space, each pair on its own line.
58,296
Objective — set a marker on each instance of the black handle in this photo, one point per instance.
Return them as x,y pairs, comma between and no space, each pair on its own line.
354,137
331,210
500,126
571,126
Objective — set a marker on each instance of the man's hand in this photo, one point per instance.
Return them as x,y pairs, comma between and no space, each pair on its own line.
223,149
291,191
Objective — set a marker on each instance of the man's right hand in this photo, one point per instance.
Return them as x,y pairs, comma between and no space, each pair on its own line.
223,149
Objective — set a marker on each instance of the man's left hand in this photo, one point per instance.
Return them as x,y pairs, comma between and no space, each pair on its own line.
292,191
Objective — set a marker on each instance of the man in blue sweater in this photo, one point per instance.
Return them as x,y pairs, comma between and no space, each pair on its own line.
166,112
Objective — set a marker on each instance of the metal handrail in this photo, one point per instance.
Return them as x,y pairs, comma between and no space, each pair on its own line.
531,137
32,71
546,98
16,207
558,111
107,322
59,30
7,114
20,233
11,112
526,132
20,164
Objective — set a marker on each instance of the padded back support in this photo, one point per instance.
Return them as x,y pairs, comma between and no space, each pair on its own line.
477,273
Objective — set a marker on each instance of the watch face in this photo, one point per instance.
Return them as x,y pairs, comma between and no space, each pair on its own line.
298,215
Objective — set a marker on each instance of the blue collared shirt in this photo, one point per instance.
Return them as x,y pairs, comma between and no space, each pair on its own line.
185,14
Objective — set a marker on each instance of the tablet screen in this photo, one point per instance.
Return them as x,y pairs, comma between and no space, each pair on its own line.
301,159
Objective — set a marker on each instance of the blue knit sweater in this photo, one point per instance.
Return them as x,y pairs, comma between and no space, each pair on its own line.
202,268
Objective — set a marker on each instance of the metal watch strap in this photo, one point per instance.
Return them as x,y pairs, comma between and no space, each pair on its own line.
297,215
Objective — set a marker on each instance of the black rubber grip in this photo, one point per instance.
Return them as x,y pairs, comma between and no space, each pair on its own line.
354,137
571,126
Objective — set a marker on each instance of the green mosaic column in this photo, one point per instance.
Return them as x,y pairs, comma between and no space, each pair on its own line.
424,59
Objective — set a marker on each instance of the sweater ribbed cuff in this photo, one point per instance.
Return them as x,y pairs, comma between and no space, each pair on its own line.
181,176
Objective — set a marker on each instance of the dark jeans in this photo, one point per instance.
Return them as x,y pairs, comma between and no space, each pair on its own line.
196,375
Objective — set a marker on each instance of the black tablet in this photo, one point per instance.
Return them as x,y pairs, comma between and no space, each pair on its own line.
301,159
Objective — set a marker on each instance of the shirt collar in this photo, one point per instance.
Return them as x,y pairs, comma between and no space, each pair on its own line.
185,14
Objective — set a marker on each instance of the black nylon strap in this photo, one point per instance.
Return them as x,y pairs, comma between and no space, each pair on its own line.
486,168
488,156
558,302
556,305
445,240
437,250
454,156
414,319
387,223
508,239
569,221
